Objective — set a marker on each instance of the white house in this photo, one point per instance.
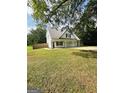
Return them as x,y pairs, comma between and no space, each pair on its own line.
57,38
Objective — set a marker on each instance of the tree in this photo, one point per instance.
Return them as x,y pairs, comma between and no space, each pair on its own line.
73,15
57,12
87,27
36,36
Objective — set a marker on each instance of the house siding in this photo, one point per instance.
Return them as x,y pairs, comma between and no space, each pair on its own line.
49,40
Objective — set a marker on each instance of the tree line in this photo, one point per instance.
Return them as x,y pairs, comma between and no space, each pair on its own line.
36,36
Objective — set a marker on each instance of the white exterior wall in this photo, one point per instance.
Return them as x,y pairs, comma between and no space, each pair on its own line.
50,44
49,41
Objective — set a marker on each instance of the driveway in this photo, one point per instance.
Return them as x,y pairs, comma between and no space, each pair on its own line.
87,48
94,48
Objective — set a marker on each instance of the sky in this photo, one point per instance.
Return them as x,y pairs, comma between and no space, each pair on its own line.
30,22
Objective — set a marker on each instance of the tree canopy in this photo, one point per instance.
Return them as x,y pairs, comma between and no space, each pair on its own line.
75,15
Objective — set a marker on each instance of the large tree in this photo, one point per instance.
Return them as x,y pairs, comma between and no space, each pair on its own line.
87,27
73,15
57,12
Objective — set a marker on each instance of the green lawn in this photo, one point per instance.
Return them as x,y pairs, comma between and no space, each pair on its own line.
62,70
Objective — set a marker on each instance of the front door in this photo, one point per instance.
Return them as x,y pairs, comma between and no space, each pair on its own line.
53,45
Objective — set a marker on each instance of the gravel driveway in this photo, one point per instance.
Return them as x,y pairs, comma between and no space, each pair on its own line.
87,48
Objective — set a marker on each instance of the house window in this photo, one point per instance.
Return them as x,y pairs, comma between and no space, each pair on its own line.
68,35
59,43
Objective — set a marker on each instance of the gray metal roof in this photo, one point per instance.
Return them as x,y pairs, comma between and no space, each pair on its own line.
57,33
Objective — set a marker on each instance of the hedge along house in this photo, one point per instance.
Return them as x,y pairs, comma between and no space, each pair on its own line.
57,38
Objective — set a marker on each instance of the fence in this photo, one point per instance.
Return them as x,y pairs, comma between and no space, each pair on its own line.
37,46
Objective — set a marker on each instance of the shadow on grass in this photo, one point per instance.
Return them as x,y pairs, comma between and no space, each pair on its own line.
86,53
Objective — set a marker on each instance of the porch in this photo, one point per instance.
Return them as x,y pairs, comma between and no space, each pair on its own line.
65,43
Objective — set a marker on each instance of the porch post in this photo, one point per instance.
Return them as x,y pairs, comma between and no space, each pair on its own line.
79,43
64,43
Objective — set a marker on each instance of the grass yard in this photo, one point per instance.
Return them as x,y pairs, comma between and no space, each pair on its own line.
62,70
